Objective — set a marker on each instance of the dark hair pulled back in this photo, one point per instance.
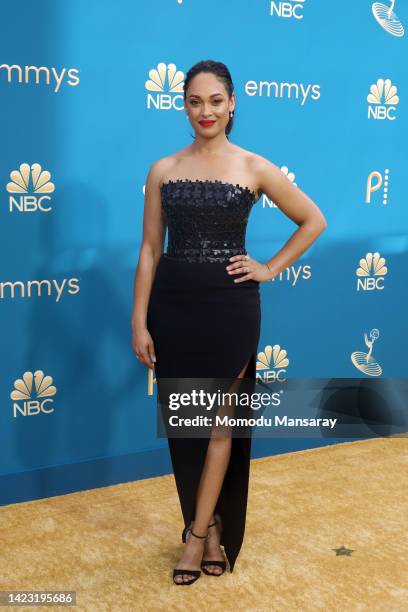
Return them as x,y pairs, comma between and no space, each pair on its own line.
221,72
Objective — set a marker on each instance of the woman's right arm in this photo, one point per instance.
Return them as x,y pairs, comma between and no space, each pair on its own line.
154,232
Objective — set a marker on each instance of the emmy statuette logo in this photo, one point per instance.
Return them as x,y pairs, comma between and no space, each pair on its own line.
365,362
387,18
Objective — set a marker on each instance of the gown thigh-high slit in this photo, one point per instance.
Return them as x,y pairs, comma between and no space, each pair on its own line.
204,325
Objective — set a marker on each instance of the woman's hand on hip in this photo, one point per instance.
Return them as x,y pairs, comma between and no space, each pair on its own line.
252,269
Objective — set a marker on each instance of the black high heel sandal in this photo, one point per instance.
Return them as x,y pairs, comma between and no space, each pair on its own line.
184,571
206,562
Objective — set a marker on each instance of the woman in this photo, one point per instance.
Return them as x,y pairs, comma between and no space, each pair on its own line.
196,308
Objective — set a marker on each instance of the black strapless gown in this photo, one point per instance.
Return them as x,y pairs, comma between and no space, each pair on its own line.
205,325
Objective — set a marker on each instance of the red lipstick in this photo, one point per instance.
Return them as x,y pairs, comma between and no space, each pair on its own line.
206,123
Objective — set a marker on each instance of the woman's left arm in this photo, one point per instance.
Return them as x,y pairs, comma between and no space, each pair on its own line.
296,205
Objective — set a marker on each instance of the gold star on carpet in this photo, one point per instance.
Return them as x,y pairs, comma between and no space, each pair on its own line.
343,551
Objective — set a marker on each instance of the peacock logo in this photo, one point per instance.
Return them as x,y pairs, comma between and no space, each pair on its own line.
371,272
272,363
30,180
166,87
32,394
382,100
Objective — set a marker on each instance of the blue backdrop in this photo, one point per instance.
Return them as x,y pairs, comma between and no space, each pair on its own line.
86,107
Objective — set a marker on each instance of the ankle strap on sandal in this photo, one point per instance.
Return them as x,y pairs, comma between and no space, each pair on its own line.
197,536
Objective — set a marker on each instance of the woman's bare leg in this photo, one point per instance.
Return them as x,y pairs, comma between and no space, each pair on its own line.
212,477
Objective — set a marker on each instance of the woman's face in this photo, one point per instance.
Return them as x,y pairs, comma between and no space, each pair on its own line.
207,101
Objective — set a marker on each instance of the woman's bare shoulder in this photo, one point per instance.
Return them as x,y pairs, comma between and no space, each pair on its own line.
164,166
256,167
254,160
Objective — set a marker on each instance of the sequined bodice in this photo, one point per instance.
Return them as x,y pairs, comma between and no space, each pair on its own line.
206,219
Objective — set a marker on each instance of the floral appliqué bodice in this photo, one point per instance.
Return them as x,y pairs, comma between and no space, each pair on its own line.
206,219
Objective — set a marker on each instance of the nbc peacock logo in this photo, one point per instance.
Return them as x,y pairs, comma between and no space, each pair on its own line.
272,363
28,189
387,18
365,362
287,10
371,272
382,100
165,86
32,394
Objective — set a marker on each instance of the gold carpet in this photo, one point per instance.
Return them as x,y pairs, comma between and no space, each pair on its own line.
116,546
